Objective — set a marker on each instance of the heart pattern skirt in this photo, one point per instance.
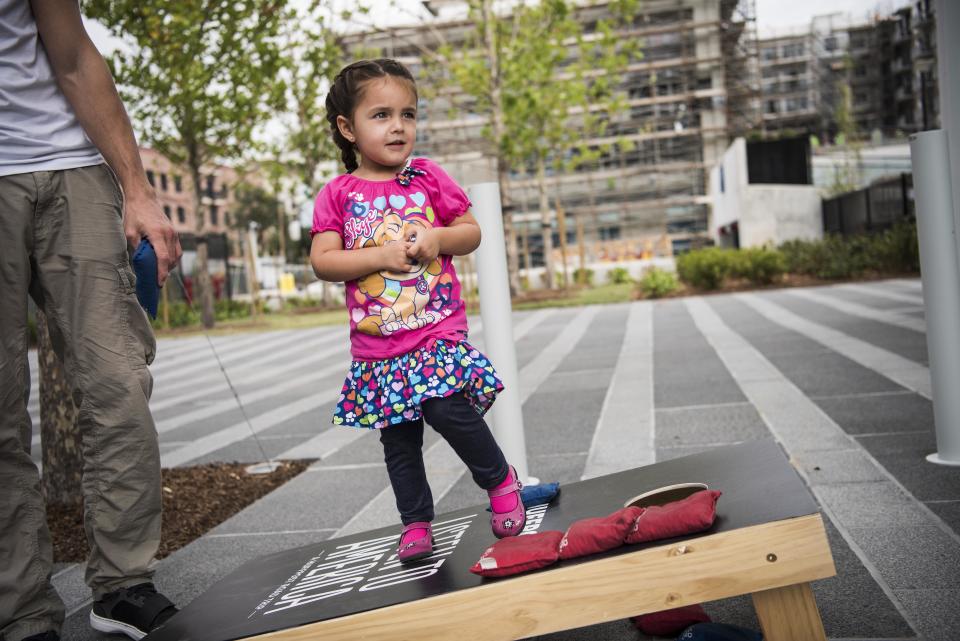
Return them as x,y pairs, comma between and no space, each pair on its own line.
378,394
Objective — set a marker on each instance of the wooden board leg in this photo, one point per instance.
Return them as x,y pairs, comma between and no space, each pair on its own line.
789,614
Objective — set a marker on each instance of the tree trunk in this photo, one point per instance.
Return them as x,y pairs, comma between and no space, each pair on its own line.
509,231
282,233
562,231
581,236
582,252
60,438
546,225
202,290
252,284
496,99
526,254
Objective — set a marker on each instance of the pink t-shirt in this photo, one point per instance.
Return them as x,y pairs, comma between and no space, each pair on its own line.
394,313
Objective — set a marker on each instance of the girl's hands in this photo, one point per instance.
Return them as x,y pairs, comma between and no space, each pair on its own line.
395,255
426,247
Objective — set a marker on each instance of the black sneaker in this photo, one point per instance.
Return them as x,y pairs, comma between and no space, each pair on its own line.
49,635
132,611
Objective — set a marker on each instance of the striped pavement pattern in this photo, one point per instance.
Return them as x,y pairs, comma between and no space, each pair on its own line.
837,374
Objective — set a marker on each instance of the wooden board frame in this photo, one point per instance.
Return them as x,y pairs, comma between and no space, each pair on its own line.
773,561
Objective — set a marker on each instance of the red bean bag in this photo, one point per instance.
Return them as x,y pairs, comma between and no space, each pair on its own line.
670,623
591,536
519,554
692,514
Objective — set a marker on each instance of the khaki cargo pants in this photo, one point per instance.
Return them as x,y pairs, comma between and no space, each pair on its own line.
61,241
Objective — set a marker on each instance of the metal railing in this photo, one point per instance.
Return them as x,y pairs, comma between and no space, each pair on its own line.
875,208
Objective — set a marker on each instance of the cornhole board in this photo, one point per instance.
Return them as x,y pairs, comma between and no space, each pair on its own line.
768,541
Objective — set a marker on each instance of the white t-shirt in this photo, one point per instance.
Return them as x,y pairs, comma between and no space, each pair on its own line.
38,128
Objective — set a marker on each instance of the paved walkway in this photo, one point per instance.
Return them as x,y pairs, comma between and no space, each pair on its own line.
838,375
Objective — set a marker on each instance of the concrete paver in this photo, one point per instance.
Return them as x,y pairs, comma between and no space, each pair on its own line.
847,396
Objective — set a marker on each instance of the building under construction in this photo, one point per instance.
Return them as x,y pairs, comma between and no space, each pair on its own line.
886,66
691,90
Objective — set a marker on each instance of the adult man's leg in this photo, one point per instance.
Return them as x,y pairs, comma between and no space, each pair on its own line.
28,603
87,289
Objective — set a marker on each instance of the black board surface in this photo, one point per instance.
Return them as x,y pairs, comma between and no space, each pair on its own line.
339,577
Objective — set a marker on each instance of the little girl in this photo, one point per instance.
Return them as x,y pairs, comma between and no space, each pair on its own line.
388,229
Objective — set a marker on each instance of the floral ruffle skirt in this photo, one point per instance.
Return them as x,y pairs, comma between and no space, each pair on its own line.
378,394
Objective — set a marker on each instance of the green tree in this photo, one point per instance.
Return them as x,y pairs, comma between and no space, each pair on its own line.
563,81
542,78
846,177
254,205
315,58
199,78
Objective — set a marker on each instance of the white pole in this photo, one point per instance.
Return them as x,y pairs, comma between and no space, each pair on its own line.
495,310
947,15
940,270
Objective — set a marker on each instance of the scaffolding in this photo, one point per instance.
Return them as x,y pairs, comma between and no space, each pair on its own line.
741,66
692,90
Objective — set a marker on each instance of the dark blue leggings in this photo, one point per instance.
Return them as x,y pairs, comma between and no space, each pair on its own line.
467,433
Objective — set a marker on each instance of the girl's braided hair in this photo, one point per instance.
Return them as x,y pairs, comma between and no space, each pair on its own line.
347,91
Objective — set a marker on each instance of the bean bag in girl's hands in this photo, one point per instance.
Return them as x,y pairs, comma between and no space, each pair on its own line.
693,514
519,554
591,536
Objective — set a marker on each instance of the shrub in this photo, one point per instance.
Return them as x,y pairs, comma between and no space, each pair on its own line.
802,256
619,275
831,258
226,309
657,283
759,265
705,268
896,249
294,303
180,316
583,276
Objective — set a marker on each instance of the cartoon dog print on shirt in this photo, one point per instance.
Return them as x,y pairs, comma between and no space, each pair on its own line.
394,300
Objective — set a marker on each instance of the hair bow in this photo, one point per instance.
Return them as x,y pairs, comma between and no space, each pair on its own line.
408,174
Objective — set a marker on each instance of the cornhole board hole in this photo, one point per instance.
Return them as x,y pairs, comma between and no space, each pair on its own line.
768,541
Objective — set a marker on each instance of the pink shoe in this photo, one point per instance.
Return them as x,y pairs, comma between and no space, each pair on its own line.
412,549
510,523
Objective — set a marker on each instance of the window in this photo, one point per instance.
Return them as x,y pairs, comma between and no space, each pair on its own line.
150,178
830,44
769,53
793,50
210,186
771,106
163,182
181,215
178,183
796,104
166,210
214,215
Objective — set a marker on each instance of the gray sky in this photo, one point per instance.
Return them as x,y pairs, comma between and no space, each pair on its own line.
772,15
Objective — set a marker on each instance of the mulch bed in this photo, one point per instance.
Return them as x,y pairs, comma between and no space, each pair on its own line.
195,500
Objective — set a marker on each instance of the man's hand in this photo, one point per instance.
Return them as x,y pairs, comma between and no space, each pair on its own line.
85,80
143,216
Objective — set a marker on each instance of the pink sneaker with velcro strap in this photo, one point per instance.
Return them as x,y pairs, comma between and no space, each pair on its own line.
508,523
413,547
